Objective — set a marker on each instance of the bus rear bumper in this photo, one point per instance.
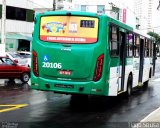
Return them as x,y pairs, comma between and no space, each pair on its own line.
69,87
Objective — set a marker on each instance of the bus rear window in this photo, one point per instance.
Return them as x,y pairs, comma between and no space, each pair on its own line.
69,29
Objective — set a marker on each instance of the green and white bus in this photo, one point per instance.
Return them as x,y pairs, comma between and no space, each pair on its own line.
86,53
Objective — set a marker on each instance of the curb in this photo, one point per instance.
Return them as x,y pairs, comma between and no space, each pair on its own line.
153,116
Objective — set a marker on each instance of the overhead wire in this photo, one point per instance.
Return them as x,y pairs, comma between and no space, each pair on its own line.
150,28
48,1
132,10
36,4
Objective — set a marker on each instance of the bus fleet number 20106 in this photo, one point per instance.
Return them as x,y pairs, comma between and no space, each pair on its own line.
52,65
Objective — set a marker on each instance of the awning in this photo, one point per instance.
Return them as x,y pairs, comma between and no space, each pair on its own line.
17,36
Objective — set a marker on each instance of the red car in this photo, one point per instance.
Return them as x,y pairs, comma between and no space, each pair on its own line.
11,70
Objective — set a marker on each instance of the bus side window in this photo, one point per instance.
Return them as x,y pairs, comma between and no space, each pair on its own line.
137,46
147,47
113,40
130,44
151,48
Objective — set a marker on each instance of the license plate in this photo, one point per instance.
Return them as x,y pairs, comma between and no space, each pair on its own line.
65,72
63,86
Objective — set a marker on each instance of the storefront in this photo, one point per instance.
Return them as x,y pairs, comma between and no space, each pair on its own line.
17,42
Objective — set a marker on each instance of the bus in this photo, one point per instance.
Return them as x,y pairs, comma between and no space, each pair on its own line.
87,53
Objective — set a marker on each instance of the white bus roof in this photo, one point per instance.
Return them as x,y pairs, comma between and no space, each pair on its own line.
142,33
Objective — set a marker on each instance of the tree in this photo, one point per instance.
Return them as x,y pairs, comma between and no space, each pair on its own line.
156,36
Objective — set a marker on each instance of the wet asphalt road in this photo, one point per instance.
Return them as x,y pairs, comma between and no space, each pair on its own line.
46,109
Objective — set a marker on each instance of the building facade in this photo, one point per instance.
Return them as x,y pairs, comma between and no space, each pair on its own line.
140,14
144,11
148,15
18,24
121,10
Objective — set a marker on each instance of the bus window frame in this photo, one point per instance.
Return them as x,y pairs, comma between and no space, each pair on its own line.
147,47
128,46
71,15
110,39
135,45
151,42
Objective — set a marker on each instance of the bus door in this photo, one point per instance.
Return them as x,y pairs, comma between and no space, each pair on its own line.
141,60
122,44
154,57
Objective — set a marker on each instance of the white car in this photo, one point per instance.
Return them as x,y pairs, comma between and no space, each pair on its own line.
17,58
26,55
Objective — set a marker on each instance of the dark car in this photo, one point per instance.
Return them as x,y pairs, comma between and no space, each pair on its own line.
11,70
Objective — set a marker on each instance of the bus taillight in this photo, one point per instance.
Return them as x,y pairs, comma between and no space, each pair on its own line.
35,64
98,68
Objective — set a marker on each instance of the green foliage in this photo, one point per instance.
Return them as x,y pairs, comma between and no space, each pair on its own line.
156,36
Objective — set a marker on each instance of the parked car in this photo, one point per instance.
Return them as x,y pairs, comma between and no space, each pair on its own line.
26,55
15,56
11,70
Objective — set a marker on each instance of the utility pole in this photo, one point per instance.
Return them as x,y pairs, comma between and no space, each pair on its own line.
3,25
54,5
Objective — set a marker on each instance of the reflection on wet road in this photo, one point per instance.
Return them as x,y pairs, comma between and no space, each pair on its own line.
46,109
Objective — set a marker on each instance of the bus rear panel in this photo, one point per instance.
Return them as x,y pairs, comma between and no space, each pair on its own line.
68,54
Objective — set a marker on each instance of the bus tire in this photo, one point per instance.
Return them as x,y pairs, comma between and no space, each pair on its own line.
129,86
150,73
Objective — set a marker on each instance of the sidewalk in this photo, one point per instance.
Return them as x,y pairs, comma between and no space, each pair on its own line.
153,117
